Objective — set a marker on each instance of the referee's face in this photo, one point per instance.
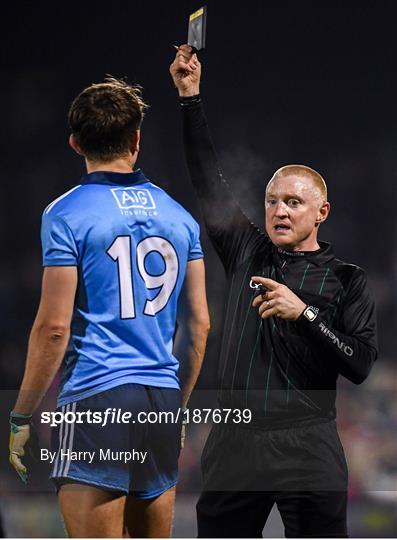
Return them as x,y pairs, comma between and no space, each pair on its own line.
294,209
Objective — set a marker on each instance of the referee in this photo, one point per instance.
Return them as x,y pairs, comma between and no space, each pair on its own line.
282,349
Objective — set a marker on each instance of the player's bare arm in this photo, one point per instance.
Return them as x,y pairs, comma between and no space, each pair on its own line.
49,336
193,326
47,344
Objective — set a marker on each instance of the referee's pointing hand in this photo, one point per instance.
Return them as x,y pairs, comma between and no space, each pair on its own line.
277,301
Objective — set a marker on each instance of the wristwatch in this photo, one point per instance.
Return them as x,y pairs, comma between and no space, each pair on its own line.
310,313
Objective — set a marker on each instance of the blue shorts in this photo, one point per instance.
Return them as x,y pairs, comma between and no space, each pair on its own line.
139,459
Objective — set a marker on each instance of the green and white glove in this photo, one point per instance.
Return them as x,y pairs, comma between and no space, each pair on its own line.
19,436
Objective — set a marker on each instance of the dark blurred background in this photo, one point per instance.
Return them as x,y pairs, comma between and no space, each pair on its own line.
288,82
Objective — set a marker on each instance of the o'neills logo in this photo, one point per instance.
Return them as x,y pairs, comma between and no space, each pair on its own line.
342,346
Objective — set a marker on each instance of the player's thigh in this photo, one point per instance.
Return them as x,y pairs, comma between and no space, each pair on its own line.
233,514
94,453
89,512
150,518
313,514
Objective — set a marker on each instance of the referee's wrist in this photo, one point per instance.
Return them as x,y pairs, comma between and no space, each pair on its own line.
308,315
300,316
185,101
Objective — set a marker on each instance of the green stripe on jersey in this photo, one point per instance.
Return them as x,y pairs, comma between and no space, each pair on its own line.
268,379
251,361
322,284
304,275
239,343
231,328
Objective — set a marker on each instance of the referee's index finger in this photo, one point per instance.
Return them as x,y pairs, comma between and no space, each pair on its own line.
184,54
185,47
267,282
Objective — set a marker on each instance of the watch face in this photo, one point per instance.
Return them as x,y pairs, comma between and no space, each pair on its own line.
310,314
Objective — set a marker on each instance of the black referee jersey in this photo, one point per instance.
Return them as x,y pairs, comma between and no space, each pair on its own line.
282,370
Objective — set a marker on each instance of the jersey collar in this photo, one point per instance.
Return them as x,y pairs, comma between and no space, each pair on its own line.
115,178
320,256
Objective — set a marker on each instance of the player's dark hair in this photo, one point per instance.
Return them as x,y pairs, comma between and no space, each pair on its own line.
104,117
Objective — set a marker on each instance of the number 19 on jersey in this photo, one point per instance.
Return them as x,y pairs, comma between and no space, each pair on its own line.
120,252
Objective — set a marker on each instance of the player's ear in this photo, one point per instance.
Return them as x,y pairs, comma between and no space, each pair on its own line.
136,139
323,213
74,144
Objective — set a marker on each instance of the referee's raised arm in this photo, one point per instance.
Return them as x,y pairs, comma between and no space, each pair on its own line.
201,159
226,223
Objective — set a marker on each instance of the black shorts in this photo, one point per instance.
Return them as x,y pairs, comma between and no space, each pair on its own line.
246,470
138,459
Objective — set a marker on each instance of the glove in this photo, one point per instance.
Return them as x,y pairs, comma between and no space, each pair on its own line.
19,436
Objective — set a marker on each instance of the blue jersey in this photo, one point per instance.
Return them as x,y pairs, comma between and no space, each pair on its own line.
131,243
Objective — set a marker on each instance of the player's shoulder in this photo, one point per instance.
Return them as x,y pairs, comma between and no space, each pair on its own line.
63,203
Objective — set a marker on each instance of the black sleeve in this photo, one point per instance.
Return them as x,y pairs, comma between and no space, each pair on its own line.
353,349
232,233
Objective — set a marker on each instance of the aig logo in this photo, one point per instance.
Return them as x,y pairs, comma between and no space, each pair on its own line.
128,198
